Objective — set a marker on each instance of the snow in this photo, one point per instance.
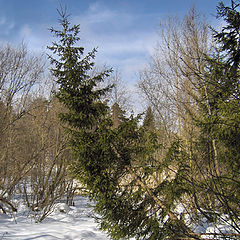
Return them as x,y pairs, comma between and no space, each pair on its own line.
69,223
75,223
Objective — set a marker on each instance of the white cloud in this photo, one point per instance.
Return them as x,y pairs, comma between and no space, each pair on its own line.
120,44
96,14
140,43
114,32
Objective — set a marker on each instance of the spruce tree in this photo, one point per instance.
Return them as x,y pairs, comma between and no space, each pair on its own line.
79,93
222,82
109,160
228,103
149,121
77,89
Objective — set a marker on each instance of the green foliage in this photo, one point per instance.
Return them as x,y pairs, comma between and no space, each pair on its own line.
101,152
77,89
131,210
222,82
228,38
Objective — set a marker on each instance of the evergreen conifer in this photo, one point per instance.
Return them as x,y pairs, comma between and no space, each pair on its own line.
115,163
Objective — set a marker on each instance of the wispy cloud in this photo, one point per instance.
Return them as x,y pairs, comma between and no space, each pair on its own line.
98,14
114,32
123,40
6,26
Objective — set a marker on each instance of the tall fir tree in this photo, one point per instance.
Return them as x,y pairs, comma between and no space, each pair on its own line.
109,160
77,89
79,93
149,121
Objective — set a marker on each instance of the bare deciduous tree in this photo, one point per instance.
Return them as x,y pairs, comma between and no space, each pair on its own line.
33,154
170,82
19,73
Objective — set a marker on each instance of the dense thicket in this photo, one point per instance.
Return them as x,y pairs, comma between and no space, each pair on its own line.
140,175
198,79
115,162
34,157
159,175
157,181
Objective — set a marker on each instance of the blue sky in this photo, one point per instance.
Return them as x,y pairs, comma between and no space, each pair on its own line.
125,31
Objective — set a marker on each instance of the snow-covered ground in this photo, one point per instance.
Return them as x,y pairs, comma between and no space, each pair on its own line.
71,223
64,222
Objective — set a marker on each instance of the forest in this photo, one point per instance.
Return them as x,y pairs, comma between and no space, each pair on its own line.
68,129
